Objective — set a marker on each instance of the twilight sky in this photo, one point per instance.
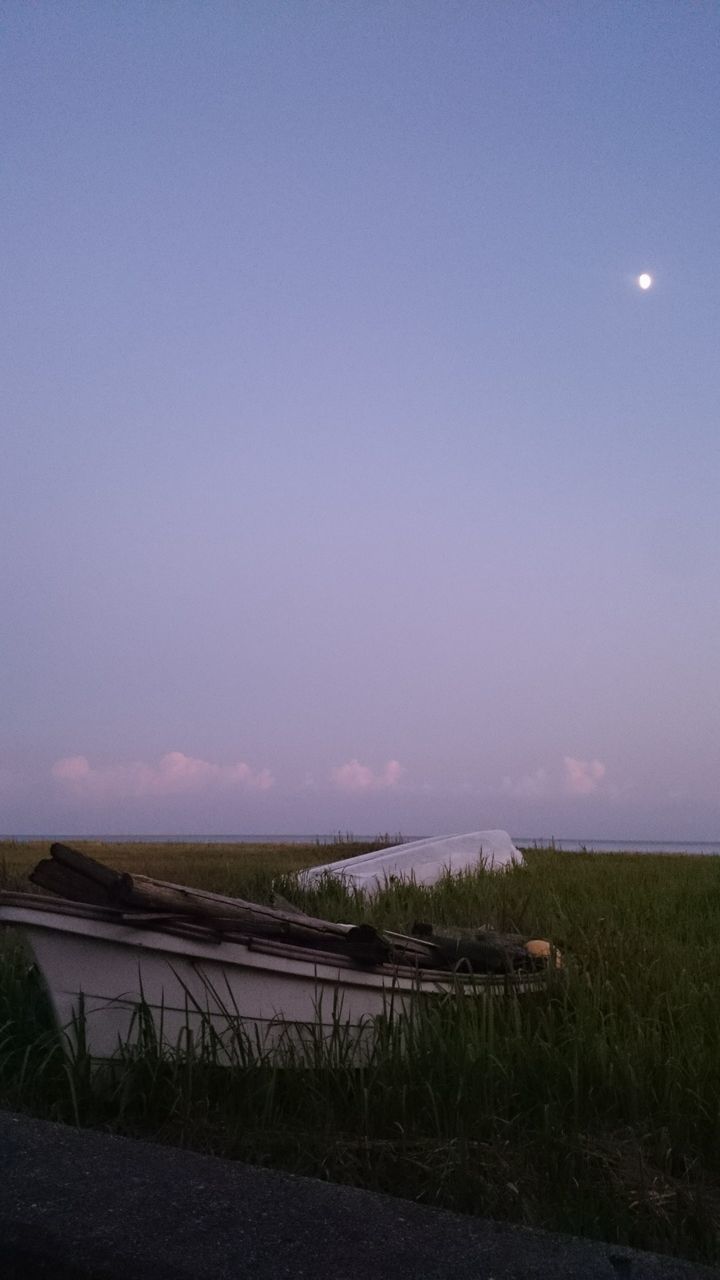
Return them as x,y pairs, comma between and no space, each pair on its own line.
347,479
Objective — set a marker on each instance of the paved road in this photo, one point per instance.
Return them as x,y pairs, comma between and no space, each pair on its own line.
78,1205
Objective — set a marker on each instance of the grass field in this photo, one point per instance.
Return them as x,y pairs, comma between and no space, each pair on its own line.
593,1108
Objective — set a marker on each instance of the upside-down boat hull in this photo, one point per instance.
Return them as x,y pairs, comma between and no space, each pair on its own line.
240,999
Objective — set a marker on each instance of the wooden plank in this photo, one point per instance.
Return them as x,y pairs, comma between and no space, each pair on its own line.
39,902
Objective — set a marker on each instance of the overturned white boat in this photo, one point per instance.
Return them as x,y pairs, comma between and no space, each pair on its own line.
121,955
424,861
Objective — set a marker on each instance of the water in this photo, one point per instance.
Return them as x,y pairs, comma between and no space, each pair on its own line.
192,838
690,847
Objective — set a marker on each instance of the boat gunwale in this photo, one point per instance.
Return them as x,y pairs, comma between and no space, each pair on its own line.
59,916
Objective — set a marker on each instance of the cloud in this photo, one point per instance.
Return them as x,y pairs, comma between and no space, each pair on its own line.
582,777
529,787
576,778
175,774
354,776
72,768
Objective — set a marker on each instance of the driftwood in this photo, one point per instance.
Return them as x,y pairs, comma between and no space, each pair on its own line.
87,866
116,888
80,878
77,876
62,880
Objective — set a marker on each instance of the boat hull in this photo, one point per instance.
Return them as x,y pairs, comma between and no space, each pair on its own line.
111,983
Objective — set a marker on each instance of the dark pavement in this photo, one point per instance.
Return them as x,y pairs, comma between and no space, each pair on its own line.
82,1204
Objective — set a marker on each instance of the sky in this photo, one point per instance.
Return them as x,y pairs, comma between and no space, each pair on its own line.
348,481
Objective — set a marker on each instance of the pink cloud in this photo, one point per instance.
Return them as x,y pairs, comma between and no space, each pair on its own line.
354,776
71,768
577,778
583,777
175,774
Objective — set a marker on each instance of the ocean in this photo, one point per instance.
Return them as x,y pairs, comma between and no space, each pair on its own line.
689,847
589,844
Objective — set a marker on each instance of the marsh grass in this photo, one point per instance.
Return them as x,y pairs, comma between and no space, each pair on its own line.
593,1108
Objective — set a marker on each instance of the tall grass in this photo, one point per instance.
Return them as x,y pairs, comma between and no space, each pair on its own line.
593,1108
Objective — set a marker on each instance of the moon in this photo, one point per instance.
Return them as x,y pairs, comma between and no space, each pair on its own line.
645,280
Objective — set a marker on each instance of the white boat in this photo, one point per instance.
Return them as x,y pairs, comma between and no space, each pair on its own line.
424,861
130,955
257,997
